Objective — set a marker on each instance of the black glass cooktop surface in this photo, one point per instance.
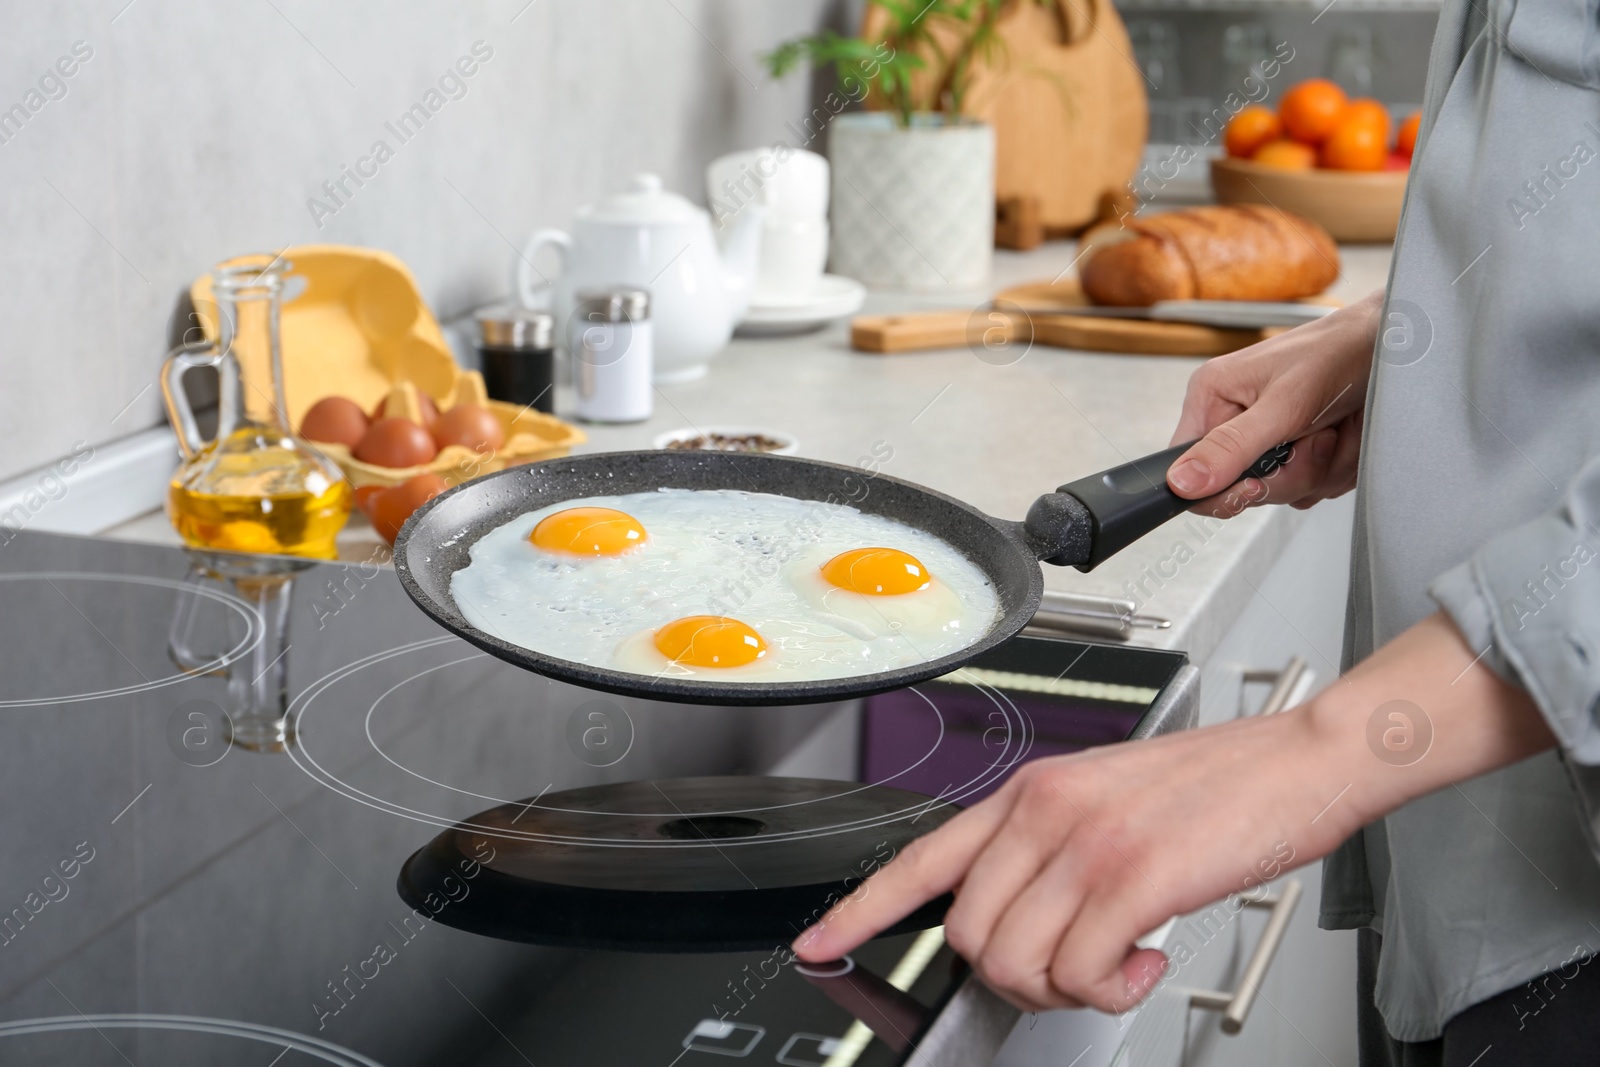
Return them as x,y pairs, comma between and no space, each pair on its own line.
214,770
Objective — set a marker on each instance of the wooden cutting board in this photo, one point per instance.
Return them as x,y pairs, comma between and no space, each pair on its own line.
991,328
1064,97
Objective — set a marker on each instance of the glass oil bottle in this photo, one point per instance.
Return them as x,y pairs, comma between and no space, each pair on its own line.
255,487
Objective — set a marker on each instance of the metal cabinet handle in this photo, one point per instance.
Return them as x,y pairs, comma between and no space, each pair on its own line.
1235,1006
1288,685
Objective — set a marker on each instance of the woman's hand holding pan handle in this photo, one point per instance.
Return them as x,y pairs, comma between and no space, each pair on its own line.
1308,386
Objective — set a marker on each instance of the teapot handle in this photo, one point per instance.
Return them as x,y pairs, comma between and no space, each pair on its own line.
527,288
179,362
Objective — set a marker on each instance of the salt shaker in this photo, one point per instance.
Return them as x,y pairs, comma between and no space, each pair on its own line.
613,359
516,348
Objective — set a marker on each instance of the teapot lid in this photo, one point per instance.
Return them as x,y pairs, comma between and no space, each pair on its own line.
644,202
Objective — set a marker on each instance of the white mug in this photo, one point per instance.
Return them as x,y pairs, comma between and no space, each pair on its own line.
793,254
789,182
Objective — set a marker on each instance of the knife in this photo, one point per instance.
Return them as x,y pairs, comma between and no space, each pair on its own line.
1229,324
1229,314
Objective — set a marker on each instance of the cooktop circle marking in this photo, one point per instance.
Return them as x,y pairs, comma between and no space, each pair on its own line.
254,628
831,969
326,1051
1015,727
734,812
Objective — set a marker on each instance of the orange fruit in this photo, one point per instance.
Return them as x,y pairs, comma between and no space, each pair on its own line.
1250,129
1355,145
1371,111
1286,155
1407,141
1312,109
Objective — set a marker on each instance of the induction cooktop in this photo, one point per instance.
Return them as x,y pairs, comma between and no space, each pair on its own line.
217,769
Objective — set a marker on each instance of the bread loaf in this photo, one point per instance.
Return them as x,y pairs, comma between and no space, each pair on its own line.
1237,252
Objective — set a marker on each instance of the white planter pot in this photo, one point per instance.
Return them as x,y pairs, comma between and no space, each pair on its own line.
912,208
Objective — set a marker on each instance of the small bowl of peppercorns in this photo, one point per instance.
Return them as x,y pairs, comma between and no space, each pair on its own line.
727,439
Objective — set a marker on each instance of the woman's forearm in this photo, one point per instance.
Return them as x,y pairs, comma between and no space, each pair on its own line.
1420,714
1361,320
1346,336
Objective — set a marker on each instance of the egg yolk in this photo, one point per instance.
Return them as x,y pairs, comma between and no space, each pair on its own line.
876,571
588,532
710,641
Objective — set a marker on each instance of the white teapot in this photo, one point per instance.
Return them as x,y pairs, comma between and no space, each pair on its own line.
655,240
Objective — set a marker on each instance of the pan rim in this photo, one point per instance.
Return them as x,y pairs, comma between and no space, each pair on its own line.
713,692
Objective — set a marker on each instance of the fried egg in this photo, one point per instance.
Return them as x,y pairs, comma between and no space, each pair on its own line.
877,592
723,585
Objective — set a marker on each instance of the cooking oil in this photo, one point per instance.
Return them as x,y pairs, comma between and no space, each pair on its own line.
256,492
256,487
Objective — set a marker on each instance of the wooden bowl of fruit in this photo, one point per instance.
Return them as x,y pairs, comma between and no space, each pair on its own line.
1321,155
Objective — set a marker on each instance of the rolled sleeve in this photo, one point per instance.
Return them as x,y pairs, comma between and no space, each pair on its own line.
1531,598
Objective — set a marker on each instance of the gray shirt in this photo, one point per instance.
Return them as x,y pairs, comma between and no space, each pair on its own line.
1480,492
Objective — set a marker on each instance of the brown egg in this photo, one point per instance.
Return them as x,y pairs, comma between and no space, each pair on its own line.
392,507
396,443
430,410
334,420
365,495
469,425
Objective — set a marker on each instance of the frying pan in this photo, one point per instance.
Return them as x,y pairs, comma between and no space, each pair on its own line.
1080,524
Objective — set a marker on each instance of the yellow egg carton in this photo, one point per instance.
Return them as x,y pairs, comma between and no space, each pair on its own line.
529,436
358,327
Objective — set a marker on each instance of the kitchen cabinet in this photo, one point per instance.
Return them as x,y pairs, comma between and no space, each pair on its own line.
1305,1013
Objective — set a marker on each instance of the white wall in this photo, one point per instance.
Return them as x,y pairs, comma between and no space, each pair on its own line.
198,130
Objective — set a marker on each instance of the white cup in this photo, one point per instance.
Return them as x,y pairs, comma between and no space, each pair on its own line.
793,253
791,183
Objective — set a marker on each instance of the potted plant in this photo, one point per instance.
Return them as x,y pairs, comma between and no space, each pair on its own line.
913,182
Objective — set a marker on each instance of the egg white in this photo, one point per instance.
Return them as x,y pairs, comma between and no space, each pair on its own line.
750,556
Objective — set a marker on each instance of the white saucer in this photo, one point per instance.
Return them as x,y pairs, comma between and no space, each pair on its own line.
832,298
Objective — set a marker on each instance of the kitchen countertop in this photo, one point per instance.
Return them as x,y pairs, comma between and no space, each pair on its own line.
995,436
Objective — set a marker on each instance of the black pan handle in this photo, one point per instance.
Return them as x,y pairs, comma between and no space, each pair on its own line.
1121,505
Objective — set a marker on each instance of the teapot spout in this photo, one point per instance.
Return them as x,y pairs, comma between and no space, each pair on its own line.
739,240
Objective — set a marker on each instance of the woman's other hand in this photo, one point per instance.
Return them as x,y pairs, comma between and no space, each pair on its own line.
1059,873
